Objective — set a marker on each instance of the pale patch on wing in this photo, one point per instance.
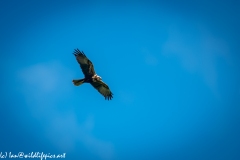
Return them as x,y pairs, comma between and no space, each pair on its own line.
104,90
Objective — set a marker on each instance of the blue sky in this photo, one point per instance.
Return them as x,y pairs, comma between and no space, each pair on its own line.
173,68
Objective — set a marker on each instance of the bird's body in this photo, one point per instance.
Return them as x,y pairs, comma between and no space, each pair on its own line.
90,75
89,79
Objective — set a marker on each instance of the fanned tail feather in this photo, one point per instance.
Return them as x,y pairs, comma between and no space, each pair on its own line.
78,82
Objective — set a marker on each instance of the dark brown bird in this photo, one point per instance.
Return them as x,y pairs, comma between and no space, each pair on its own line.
90,75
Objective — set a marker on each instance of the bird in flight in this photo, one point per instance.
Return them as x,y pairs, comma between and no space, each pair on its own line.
90,75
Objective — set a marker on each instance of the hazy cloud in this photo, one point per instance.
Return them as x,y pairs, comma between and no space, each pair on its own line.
150,59
42,85
45,77
198,52
127,97
71,132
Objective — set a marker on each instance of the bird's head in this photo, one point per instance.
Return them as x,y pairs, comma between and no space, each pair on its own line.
97,77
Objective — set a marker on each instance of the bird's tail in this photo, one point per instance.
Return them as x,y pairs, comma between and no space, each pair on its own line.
78,82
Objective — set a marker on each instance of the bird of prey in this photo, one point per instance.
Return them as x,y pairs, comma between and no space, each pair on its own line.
90,75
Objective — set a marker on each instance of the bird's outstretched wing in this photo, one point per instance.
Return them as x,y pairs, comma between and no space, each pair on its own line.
103,89
85,64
